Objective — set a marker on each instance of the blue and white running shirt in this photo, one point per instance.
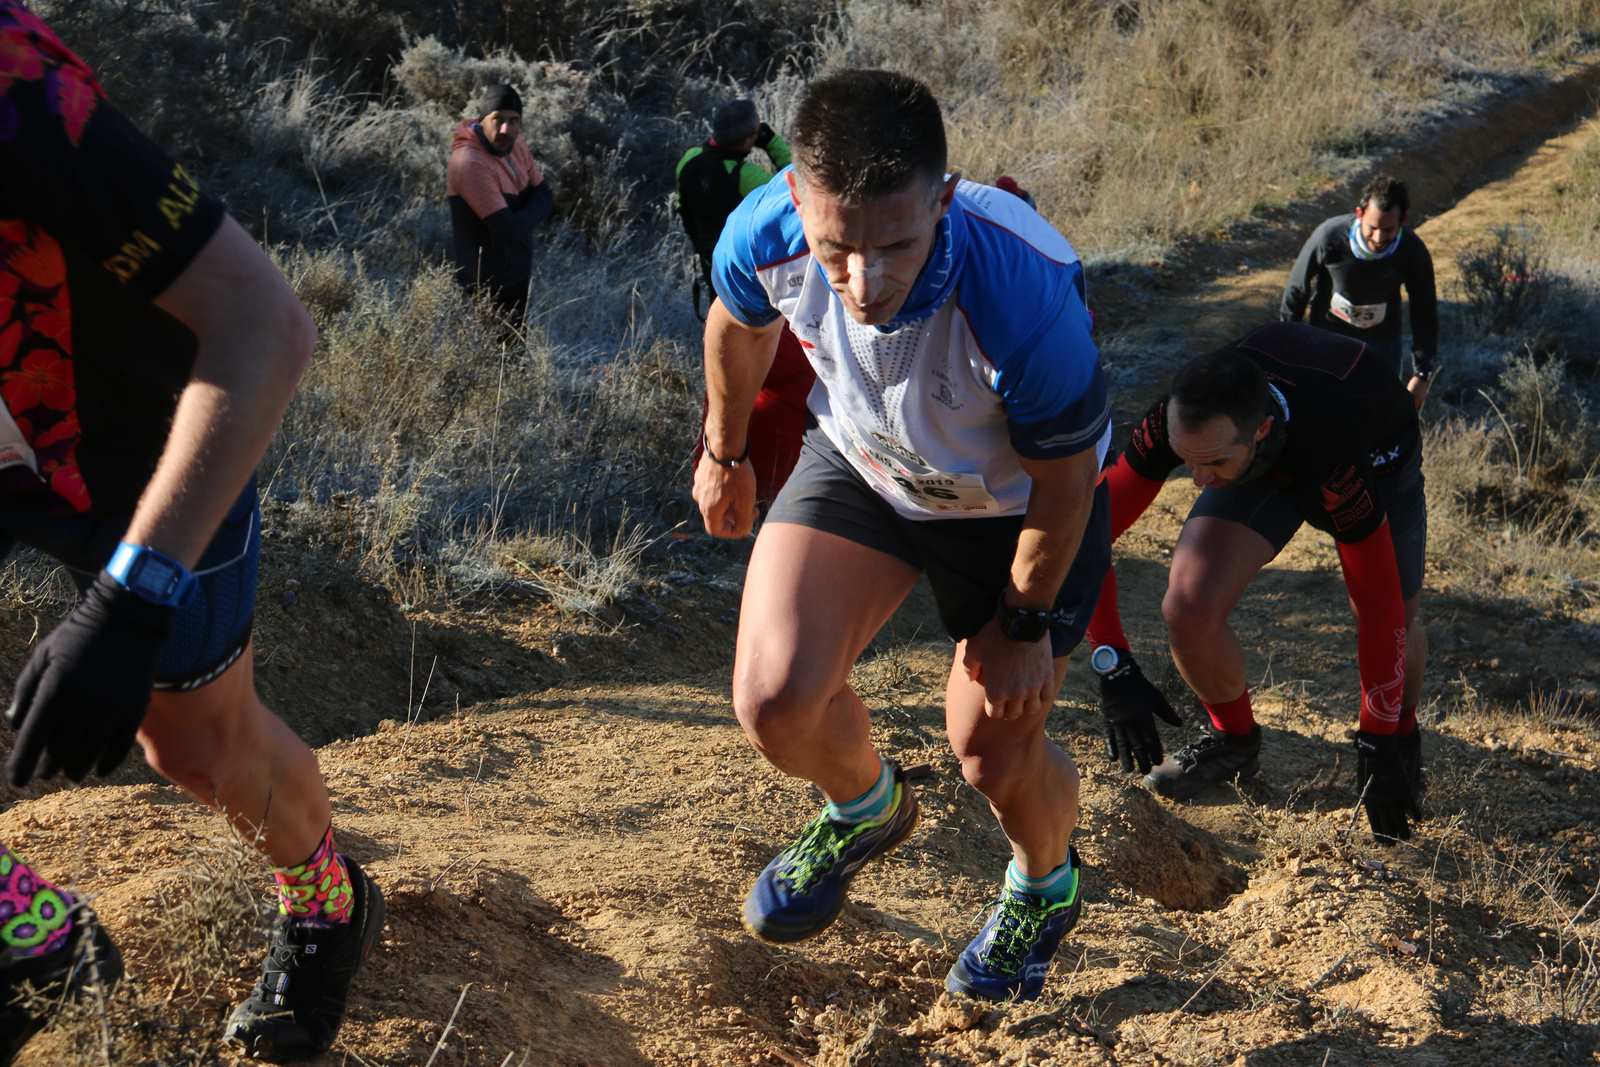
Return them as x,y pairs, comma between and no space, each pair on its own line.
990,358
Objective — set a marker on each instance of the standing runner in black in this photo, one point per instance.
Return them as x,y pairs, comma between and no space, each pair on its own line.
1349,274
148,349
1287,425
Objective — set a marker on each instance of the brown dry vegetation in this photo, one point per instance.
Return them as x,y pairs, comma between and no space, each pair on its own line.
473,578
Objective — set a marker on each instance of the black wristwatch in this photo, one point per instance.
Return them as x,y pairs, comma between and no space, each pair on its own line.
1023,624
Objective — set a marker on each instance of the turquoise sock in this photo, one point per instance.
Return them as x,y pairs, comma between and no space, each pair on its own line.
1057,887
874,803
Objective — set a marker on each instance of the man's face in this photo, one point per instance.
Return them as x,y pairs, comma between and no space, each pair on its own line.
1378,228
872,251
1215,452
501,128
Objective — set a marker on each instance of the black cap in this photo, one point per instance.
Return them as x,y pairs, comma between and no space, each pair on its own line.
734,122
499,98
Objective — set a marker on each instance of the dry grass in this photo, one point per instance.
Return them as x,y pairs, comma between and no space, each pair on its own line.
1134,124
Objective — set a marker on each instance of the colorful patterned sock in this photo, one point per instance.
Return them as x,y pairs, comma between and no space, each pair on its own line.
1057,887
317,890
35,916
874,803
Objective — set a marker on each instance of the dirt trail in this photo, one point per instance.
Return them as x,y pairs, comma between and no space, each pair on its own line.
564,865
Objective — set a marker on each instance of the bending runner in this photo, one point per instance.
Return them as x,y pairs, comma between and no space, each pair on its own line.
148,353
1348,277
1287,425
959,425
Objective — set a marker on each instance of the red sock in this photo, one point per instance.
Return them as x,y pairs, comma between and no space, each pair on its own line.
1105,625
1408,721
1233,717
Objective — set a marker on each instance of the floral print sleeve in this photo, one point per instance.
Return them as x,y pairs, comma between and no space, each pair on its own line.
95,222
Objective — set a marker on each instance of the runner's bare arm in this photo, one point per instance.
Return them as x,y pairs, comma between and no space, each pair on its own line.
737,359
1052,528
254,342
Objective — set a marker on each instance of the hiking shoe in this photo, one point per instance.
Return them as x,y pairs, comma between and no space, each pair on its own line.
297,1007
1208,760
32,987
1011,954
802,890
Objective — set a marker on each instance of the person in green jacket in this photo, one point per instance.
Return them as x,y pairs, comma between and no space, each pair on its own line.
713,177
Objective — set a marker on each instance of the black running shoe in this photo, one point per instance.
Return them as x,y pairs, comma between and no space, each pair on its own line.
296,1009
31,988
1209,760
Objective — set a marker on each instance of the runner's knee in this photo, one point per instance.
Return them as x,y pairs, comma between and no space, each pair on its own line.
195,740
1191,618
998,766
771,709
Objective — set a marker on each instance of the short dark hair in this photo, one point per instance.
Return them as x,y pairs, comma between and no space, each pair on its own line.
1388,192
1225,382
866,133
735,121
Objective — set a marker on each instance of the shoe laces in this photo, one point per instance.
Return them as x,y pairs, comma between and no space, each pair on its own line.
1016,931
819,846
288,945
1195,750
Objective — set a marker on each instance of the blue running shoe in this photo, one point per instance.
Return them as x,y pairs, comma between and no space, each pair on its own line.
1011,954
802,890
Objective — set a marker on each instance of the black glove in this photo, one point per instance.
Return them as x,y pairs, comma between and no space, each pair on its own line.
1385,782
82,694
764,136
1130,704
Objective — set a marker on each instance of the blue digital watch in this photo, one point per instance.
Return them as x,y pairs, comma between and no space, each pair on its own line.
151,575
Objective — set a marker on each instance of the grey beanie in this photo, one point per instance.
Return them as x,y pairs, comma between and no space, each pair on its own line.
734,122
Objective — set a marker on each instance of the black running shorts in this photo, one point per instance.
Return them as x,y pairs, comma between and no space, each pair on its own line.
1276,515
967,561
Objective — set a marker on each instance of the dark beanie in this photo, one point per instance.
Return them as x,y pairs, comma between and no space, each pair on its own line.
499,98
734,122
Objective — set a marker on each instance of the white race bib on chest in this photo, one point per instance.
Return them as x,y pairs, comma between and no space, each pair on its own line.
1361,316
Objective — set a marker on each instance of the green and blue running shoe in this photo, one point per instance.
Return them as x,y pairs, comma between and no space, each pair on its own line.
802,890
1011,954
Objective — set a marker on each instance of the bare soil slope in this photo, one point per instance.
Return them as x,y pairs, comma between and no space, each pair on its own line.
564,861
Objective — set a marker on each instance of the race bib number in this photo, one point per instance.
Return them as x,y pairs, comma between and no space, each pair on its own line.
14,450
1361,316
916,486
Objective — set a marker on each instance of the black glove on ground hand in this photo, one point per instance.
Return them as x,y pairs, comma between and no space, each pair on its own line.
1130,703
764,136
82,694
1385,786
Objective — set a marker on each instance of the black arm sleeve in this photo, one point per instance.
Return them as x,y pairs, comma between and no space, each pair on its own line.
1424,307
1297,291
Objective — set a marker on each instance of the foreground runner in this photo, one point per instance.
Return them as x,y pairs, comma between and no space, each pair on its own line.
958,432
1348,277
1287,425
148,350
